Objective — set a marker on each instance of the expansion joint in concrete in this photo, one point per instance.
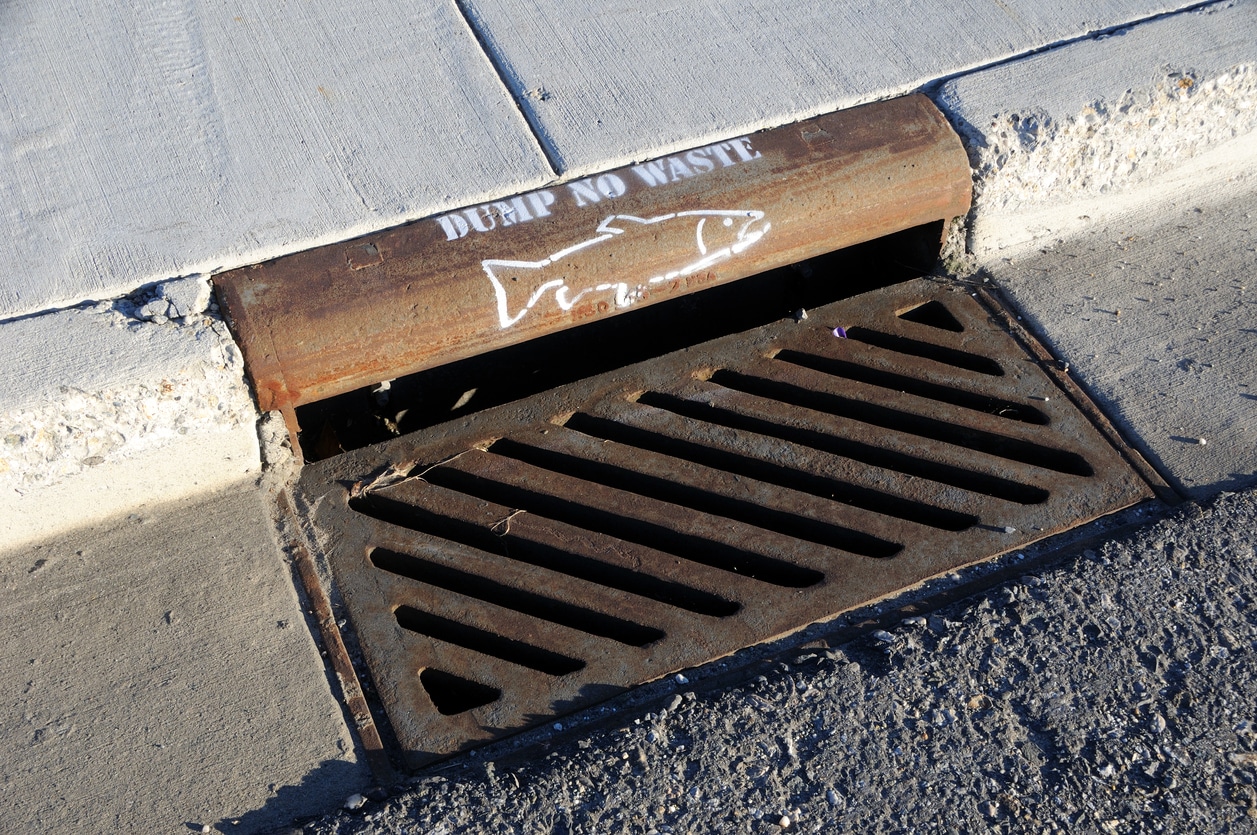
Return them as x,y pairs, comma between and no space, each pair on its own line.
514,86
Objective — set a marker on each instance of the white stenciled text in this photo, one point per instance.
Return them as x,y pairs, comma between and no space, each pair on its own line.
594,190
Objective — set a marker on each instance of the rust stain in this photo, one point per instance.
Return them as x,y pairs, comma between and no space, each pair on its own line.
329,320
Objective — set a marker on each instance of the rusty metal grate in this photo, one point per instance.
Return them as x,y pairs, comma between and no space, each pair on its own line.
543,555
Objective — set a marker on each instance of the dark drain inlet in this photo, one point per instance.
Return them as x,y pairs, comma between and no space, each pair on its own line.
543,555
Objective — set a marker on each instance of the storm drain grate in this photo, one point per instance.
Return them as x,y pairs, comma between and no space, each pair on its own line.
541,556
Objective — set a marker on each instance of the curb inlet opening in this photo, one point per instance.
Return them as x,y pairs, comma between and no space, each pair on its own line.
370,415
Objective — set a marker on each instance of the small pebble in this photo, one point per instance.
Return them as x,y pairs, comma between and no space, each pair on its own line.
355,801
841,333
784,823
1202,441
883,636
205,827
1009,529
558,726
680,679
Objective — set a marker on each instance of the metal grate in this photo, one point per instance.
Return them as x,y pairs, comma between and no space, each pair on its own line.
543,555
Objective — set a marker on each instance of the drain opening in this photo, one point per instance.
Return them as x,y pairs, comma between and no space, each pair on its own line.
511,544
366,416
508,597
486,643
926,350
978,440
623,527
452,695
934,314
714,509
772,473
1021,412
988,485
685,495
573,506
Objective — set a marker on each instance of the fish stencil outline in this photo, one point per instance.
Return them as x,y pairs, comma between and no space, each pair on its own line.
714,242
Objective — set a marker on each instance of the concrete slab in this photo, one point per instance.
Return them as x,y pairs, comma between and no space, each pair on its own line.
158,674
158,140
1157,320
609,85
1100,126
116,405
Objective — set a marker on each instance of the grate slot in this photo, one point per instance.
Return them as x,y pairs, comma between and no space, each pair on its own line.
933,314
911,385
677,492
1012,449
771,473
508,597
452,695
638,528
486,643
792,466
1000,488
926,350
519,542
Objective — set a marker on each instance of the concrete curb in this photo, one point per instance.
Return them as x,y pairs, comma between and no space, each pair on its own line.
118,405
1059,140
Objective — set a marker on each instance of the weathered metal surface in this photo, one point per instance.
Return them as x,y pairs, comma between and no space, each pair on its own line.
519,563
333,319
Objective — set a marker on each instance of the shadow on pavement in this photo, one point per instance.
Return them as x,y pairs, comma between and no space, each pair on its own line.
321,791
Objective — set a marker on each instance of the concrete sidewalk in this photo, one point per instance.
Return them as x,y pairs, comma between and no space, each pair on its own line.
159,672
160,667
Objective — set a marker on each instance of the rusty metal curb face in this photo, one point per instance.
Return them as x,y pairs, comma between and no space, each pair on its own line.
541,556
333,319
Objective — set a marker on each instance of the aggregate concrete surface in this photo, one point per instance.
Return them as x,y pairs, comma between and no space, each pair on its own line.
1107,123
158,674
117,404
1114,692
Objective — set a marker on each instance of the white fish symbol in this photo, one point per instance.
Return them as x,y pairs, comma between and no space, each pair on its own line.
718,235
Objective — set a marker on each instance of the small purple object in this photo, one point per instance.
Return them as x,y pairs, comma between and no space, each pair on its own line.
841,333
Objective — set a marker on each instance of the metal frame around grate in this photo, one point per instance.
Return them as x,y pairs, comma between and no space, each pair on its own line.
541,556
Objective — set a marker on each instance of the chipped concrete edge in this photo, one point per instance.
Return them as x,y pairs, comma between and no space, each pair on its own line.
1072,136
116,405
